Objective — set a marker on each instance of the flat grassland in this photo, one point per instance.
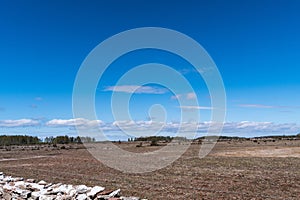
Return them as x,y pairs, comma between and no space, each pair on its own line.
233,170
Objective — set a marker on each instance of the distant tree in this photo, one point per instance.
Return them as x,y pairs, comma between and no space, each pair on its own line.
61,140
51,139
47,140
78,140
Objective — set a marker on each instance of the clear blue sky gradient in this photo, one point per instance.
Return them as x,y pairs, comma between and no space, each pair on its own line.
255,44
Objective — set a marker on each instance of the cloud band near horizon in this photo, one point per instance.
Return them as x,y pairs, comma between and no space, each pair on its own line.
170,127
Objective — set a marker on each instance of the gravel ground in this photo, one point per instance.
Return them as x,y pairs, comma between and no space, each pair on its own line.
233,170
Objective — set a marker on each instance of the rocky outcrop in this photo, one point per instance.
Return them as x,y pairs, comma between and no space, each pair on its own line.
18,188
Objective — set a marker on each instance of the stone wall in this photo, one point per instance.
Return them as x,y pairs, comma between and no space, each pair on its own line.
18,188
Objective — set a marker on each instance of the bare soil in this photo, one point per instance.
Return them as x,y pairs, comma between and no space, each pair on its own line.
233,170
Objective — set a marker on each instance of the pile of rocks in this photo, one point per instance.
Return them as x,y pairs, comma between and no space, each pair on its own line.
18,188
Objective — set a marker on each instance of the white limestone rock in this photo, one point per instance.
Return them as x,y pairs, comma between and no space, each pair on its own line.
82,197
30,180
81,189
129,198
42,182
72,192
61,189
24,193
17,189
47,197
36,195
115,193
94,191
8,187
20,184
35,186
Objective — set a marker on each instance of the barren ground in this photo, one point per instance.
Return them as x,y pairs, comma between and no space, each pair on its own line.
233,170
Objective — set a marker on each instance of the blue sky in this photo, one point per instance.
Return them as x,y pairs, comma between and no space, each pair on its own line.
255,45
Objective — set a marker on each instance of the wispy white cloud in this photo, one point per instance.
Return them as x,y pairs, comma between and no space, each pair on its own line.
261,127
193,70
242,128
18,123
136,89
255,106
79,122
202,127
188,96
175,97
268,106
191,95
136,125
196,107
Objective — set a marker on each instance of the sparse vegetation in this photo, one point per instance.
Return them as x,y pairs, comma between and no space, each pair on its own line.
154,143
231,171
139,145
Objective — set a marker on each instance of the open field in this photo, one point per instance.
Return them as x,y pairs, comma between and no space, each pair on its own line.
233,170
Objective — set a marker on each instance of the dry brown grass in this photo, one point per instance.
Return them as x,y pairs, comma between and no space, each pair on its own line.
232,171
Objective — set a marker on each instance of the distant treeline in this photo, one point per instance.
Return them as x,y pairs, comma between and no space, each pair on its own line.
169,139
219,138
18,140
6,140
279,137
66,140
158,138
